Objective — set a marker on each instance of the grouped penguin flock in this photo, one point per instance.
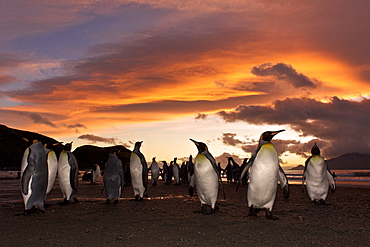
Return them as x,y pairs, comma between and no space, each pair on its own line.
262,172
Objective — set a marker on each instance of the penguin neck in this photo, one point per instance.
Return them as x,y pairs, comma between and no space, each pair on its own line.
136,150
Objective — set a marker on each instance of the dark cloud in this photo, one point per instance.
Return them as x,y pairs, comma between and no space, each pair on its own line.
229,139
75,126
201,116
340,125
37,118
285,72
94,139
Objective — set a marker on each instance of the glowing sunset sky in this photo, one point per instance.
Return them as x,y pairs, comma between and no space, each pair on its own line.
221,72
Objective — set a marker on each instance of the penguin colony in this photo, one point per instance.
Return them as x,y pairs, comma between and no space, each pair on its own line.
261,172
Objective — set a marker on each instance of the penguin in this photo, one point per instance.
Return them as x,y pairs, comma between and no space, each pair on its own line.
229,171
176,171
68,174
318,177
113,179
154,168
206,178
169,173
95,173
190,168
184,172
265,172
235,170
139,173
164,170
52,163
34,177
245,178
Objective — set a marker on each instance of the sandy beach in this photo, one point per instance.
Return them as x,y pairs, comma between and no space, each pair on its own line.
166,218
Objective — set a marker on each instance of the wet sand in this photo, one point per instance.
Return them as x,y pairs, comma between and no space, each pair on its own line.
166,218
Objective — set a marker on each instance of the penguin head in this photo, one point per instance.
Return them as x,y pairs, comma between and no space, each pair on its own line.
200,146
153,159
138,144
315,150
68,146
268,135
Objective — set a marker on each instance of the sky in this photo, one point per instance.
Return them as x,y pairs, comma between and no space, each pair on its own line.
161,71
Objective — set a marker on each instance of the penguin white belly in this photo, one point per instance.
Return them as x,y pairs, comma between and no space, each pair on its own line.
52,162
155,173
136,171
316,179
206,181
64,173
264,176
176,173
95,174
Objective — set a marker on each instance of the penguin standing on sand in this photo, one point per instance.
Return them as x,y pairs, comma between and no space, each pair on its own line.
190,168
113,178
154,168
139,172
95,173
206,178
34,177
265,172
68,174
52,162
176,171
317,175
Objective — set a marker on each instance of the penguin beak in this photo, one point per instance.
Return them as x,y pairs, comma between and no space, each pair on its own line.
277,132
195,142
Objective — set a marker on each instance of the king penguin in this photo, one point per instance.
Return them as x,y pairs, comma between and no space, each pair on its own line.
154,168
113,178
139,173
265,172
176,171
52,162
34,177
318,177
206,178
95,173
68,174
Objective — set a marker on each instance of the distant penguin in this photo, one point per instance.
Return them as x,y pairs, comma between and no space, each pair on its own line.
190,168
34,177
169,173
52,162
206,178
229,170
245,178
154,168
176,171
95,173
235,170
68,174
164,170
184,172
139,173
318,177
265,172
113,178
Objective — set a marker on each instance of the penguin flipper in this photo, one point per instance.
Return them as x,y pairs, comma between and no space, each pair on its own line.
245,170
331,181
27,174
283,180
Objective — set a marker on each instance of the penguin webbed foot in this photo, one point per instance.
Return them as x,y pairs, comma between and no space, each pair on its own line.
64,203
253,211
269,215
75,200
